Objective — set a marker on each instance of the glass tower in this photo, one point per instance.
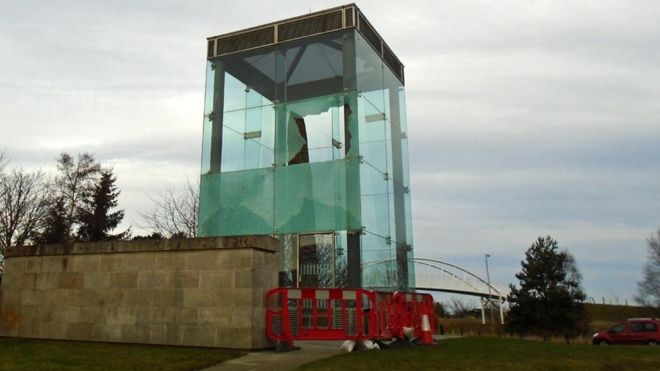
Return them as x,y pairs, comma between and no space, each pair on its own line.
305,139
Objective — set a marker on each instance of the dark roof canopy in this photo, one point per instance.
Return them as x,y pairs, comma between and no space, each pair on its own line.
333,19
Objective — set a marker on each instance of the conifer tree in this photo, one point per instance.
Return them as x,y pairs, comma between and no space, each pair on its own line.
55,225
96,218
549,300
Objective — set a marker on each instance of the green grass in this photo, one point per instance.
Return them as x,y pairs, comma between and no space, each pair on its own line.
29,354
490,353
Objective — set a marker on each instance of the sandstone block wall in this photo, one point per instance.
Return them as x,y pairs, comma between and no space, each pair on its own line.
197,292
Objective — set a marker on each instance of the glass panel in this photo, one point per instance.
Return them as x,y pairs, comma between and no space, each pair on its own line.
260,74
369,73
394,111
373,145
411,270
378,251
351,121
208,124
341,259
309,130
375,101
234,121
403,259
405,165
288,260
372,181
374,202
317,260
393,203
315,66
313,197
248,139
209,88
250,78
314,62
338,132
237,203
319,136
232,148
375,215
259,137
409,232
394,98
235,92
400,221
206,145
378,262
403,121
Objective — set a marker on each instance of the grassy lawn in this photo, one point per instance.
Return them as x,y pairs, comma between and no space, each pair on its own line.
490,353
26,354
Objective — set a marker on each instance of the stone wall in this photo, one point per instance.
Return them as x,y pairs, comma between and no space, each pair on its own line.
198,292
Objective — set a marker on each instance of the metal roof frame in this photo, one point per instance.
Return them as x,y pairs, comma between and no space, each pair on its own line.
296,28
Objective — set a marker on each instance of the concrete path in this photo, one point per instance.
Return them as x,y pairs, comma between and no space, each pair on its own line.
271,361
268,360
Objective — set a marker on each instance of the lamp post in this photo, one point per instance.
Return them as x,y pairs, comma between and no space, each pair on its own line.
490,303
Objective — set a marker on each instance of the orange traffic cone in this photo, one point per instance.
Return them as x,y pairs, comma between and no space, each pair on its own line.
427,335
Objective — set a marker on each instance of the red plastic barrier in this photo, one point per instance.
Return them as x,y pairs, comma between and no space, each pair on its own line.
386,316
347,314
410,309
320,314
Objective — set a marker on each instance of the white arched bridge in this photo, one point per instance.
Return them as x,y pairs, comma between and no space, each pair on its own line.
440,276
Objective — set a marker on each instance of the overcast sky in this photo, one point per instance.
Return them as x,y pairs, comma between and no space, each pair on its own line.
526,118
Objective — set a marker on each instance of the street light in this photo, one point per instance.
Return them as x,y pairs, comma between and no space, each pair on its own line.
490,303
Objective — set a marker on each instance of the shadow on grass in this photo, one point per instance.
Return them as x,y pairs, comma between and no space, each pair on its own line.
31,354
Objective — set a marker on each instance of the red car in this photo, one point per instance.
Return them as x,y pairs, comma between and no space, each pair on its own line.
633,331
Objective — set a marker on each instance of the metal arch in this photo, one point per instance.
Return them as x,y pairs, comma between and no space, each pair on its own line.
497,291
428,261
448,272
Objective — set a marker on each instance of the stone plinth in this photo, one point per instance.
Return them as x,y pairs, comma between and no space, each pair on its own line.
195,292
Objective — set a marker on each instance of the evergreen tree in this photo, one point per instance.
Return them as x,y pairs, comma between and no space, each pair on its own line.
549,300
56,225
96,218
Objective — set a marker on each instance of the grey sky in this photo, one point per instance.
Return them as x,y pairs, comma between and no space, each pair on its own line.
526,118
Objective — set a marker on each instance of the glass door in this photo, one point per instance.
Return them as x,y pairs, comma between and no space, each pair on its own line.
316,260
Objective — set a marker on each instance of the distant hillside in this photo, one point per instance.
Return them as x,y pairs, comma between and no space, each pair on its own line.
613,313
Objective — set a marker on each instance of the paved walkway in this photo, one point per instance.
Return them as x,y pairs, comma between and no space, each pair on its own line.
271,361
268,360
